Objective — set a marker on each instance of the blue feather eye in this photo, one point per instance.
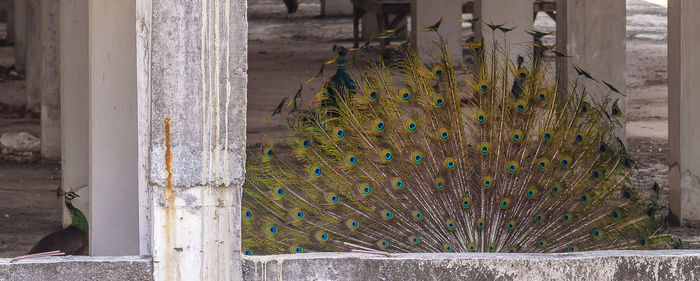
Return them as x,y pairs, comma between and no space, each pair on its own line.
513,167
512,250
379,125
383,244
539,217
643,242
523,73
584,107
491,247
565,161
411,125
531,192
397,183
247,252
350,159
542,94
616,213
247,214
448,248
437,71
450,163
579,138
521,105
338,133
450,224
306,143
321,236
372,94
466,202
483,86
504,203
543,163
481,223
299,214
596,173
387,215
270,229
279,192
573,248
296,249
364,189
556,188
471,247
480,116
547,135
443,133
626,194
596,233
386,155
315,171
603,148
438,101
417,215
268,152
440,184
541,243
487,181
566,217
516,135
510,225
585,197
484,147
414,240
332,198
405,94
352,224
417,157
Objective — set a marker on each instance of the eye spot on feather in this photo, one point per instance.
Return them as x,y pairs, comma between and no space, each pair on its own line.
247,215
539,217
437,71
321,236
521,105
297,249
596,233
616,213
491,247
270,229
643,242
411,125
247,252
547,136
481,223
372,94
541,243
378,125
417,215
414,240
511,250
339,133
306,143
450,163
523,73
444,134
510,225
466,202
573,248
387,215
350,159
269,153
417,157
450,224
556,188
364,189
512,167
484,147
383,244
579,138
504,203
543,163
531,192
332,198
279,192
487,182
397,183
483,86
352,224
439,101
404,94
565,161
471,247
386,155
300,214
566,217
440,184
585,197
448,248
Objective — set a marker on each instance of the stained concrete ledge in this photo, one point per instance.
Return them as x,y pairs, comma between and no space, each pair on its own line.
77,268
602,265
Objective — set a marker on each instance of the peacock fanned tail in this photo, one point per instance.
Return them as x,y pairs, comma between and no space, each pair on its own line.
499,159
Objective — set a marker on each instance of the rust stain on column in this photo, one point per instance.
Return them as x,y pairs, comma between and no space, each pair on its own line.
170,201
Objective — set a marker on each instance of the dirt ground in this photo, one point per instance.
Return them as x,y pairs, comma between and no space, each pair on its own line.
282,52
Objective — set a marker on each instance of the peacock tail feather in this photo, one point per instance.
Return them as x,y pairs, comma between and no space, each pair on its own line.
495,159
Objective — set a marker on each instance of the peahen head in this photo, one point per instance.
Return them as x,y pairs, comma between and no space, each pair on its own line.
78,219
70,196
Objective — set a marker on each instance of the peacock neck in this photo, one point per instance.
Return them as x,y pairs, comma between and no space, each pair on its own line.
78,220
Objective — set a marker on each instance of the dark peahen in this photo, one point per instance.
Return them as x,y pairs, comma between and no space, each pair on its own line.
72,240
404,166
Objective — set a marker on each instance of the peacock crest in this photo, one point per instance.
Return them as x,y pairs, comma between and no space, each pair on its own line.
494,157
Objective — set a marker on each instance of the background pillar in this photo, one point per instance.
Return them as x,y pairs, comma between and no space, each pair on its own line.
50,81
683,114
34,53
20,35
427,13
333,8
74,102
192,79
512,14
113,150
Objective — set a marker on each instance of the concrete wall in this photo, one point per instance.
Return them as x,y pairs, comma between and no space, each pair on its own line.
607,265
192,80
74,106
114,212
50,81
73,268
512,14
683,114
332,8
34,53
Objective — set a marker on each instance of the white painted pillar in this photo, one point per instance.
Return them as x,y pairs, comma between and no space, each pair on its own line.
74,103
334,8
192,73
592,33
50,81
512,14
683,114
113,150
33,54
20,35
427,13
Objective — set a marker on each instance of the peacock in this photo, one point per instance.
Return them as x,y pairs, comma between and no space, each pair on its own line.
492,157
292,6
72,240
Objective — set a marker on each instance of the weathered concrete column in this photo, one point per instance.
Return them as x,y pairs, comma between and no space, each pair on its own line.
50,81
192,71
74,102
20,34
333,8
113,150
427,13
34,53
10,20
683,114
592,33
370,27
512,14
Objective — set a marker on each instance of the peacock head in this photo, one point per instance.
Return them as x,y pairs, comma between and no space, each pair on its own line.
70,196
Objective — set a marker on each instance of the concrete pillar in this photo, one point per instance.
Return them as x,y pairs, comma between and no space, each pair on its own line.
192,71
512,14
10,20
370,27
34,53
592,33
113,150
334,8
74,102
50,81
683,116
427,13
20,34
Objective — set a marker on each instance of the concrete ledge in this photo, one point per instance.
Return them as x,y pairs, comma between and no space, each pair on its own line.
603,265
77,268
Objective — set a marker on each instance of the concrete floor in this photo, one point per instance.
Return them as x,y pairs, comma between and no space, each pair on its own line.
284,52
